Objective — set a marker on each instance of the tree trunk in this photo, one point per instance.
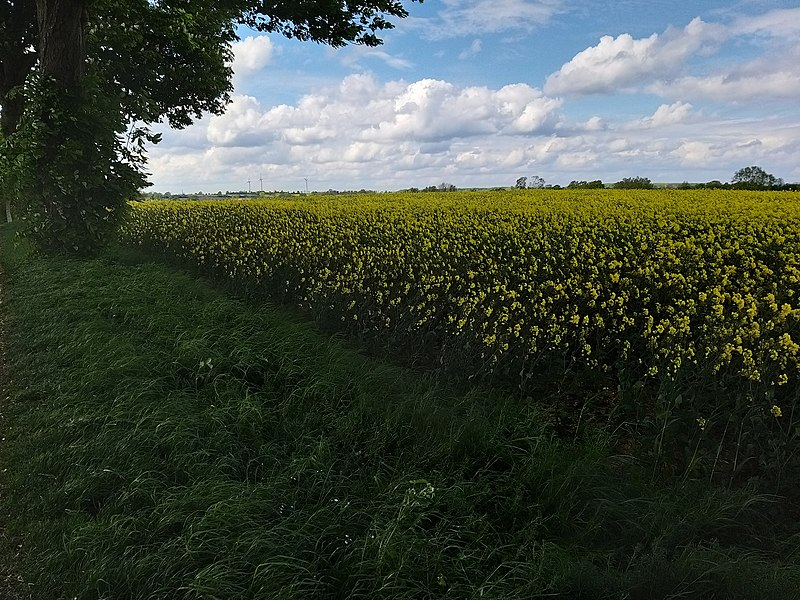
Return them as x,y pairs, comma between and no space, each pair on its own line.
62,40
9,218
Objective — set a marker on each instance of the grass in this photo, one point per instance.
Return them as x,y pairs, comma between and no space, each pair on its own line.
167,440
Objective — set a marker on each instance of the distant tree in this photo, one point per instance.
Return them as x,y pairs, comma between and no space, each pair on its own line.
755,178
522,183
536,182
586,185
634,183
714,184
447,187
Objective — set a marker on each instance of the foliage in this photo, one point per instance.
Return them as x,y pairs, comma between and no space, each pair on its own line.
634,183
323,21
164,440
183,57
755,178
713,184
536,182
586,185
72,166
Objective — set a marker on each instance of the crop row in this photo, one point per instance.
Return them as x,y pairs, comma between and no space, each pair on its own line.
659,283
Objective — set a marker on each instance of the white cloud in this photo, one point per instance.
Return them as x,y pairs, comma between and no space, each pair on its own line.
432,109
459,18
783,23
625,62
252,54
665,115
239,121
662,63
734,87
385,130
595,124
422,111
473,50
343,147
355,54
697,153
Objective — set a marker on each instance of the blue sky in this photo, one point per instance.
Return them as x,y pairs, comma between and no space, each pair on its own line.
477,93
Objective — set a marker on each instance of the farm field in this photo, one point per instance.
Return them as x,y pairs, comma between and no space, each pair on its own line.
690,296
602,403
661,282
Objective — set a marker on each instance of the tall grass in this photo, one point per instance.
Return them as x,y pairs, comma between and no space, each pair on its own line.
166,440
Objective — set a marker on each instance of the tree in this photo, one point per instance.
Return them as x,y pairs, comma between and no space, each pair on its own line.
521,183
755,178
586,185
17,37
536,182
104,65
180,71
634,183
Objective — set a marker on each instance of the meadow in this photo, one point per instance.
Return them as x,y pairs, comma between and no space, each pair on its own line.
491,395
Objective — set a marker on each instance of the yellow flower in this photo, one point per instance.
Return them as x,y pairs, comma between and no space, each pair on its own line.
776,411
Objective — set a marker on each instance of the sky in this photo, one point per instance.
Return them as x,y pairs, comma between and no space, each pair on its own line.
476,93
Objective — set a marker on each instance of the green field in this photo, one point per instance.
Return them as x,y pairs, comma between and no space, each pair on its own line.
530,394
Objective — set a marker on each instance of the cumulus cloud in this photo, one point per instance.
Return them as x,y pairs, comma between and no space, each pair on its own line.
432,109
625,62
389,131
360,109
665,115
348,150
662,63
252,54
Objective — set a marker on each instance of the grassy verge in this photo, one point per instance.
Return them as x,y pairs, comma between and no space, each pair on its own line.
165,440
12,587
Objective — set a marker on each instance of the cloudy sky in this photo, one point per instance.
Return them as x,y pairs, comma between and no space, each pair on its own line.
476,93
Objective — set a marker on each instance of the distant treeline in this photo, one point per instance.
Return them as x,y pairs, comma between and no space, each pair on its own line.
642,183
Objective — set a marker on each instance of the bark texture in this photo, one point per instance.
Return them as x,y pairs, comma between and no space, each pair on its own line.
62,40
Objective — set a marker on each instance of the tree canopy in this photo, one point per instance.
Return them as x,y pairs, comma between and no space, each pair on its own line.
755,177
586,185
634,183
